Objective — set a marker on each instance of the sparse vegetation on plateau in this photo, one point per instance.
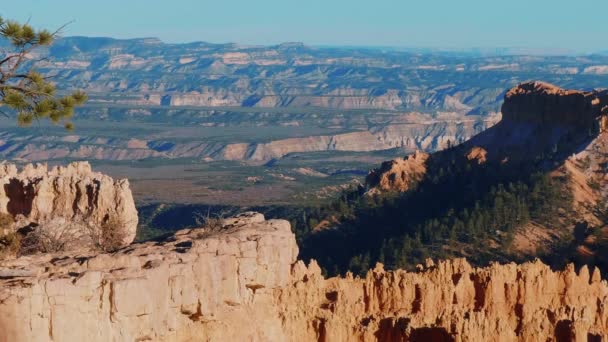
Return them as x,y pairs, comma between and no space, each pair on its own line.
10,242
112,235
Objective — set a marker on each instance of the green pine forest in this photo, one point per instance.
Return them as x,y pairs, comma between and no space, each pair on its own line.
459,209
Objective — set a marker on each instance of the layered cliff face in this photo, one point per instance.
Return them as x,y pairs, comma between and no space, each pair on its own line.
71,200
195,286
540,102
242,283
428,136
539,121
229,75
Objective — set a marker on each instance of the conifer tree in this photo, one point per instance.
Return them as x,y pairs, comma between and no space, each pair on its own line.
24,92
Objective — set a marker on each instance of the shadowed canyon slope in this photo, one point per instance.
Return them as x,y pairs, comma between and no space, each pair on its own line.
243,282
540,122
532,185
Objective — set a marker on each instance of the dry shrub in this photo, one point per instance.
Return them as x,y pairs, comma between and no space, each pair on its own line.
213,223
6,220
62,236
208,224
52,239
10,244
112,235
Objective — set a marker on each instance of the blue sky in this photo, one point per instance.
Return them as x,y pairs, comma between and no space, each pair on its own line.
575,25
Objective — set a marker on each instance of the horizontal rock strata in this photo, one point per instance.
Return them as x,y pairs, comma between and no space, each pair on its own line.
427,136
539,102
243,283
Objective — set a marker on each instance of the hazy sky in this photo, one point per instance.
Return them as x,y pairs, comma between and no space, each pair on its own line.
577,25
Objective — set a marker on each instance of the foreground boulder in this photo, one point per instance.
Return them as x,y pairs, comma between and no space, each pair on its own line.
242,282
66,203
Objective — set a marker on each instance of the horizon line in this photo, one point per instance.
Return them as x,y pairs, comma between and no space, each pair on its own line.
479,49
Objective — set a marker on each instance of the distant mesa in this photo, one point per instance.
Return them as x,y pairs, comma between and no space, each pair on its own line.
291,45
540,102
539,121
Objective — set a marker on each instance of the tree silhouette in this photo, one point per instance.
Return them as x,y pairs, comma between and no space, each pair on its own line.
24,92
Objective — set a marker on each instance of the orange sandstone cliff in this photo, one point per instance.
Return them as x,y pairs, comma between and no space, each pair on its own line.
244,283
398,174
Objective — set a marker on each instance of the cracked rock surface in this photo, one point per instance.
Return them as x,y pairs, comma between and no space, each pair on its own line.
243,282
57,197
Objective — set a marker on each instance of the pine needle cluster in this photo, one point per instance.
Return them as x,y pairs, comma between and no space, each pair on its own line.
25,92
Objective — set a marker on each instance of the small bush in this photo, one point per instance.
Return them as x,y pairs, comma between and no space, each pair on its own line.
62,235
53,238
207,224
10,241
10,244
112,236
213,223
6,220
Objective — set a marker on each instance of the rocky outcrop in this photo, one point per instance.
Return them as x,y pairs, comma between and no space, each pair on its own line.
73,195
540,102
197,285
541,120
477,154
398,174
243,283
451,301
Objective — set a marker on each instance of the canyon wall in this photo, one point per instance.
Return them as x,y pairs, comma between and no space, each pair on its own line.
73,194
428,136
194,286
242,282
203,74
538,120
540,102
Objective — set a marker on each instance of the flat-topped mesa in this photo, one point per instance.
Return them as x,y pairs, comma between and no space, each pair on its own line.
242,282
73,196
540,102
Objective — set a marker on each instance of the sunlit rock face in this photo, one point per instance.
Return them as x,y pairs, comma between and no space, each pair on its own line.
71,195
540,102
242,282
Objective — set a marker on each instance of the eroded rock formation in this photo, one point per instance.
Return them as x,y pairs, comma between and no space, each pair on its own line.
243,283
398,174
196,286
545,103
477,154
73,195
